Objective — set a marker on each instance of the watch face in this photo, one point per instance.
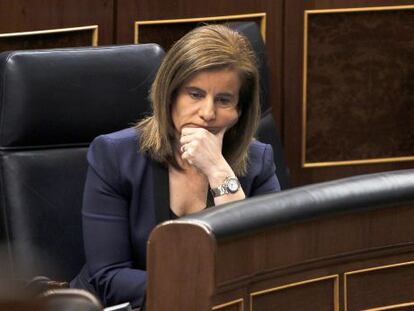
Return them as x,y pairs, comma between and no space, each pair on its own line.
233,185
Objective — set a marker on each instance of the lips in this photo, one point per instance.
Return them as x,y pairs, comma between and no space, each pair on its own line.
213,130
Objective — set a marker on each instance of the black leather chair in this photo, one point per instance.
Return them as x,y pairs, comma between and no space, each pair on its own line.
52,104
51,300
69,300
267,131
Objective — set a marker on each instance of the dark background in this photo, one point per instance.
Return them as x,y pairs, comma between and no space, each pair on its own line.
342,82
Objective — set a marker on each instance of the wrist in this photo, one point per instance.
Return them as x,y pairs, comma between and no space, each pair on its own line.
218,174
218,178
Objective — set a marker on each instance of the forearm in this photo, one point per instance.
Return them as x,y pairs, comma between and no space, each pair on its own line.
119,285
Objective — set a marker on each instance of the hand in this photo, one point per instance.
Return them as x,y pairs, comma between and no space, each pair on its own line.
203,149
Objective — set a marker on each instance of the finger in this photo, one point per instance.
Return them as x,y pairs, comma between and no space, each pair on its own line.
194,134
183,148
186,139
186,156
188,148
189,130
194,130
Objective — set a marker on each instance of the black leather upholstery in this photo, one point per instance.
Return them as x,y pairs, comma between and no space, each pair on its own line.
267,131
70,300
68,96
295,205
52,104
22,299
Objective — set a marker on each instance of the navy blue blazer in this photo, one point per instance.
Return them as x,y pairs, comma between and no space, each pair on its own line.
126,196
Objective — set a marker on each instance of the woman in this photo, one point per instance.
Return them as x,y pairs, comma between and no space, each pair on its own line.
195,151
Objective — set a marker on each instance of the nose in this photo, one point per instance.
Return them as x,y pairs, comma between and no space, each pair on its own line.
207,110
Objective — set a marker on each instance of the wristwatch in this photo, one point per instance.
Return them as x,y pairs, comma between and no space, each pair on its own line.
230,185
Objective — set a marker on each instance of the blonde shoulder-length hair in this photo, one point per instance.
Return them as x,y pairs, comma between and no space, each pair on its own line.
211,47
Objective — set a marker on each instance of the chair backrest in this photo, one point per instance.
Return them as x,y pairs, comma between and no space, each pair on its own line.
52,104
267,131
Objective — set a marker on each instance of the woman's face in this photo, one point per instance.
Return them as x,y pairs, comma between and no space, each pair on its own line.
208,99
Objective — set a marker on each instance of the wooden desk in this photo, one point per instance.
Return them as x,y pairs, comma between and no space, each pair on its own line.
355,258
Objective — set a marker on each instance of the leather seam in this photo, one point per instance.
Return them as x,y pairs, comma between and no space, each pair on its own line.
5,216
2,112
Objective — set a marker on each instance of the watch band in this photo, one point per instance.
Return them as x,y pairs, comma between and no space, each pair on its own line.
219,191
230,185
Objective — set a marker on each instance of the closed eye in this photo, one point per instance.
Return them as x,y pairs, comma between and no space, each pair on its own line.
195,93
225,101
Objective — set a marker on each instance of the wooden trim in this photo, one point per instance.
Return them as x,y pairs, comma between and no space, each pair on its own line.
357,162
362,9
94,40
390,307
230,303
335,277
137,24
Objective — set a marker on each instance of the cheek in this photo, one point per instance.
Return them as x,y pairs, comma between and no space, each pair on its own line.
230,118
182,112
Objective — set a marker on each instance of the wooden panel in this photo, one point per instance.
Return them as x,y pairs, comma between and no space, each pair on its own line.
166,32
193,283
306,243
66,37
358,86
346,142
380,286
318,294
38,15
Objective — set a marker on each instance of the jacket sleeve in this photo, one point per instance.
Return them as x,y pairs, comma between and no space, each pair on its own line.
106,229
266,181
